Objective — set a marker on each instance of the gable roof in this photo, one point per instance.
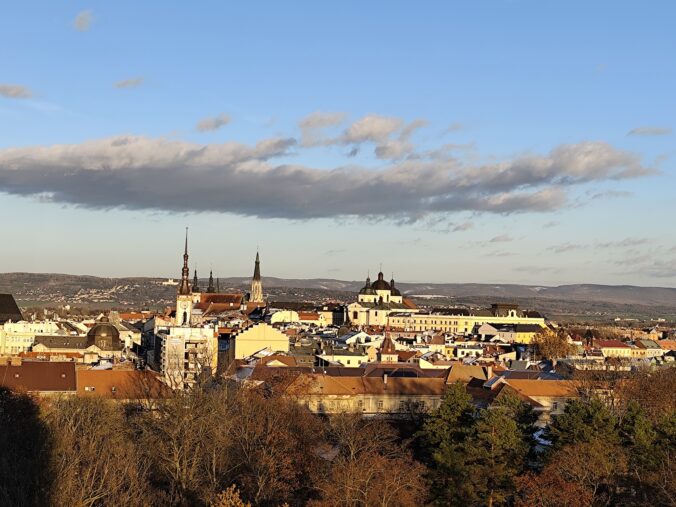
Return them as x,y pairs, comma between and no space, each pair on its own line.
39,376
546,388
466,372
667,344
285,360
120,384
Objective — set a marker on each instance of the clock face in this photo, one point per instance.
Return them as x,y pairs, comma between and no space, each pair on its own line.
184,305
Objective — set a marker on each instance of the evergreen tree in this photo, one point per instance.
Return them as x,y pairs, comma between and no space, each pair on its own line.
495,453
476,455
584,421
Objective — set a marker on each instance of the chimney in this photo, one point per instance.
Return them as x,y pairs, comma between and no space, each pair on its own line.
385,379
15,361
489,372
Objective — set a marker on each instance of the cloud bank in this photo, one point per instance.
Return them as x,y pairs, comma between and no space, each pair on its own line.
137,172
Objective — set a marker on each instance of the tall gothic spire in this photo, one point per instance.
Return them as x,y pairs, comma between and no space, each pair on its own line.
211,289
256,295
184,288
195,283
257,268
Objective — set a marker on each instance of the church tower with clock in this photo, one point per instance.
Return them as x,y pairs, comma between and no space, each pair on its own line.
184,298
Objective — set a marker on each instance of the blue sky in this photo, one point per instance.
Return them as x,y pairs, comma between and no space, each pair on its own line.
314,130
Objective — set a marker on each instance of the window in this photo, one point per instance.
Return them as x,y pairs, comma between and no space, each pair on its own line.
89,388
380,404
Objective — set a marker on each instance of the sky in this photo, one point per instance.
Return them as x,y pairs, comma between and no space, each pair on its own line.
502,141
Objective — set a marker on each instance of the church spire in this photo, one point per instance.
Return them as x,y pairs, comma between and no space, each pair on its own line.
256,295
195,283
257,268
184,288
211,289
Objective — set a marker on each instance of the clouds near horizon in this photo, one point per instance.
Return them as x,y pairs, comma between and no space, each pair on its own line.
137,172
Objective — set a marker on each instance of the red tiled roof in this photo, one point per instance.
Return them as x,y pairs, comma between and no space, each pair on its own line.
546,388
120,384
39,376
409,304
667,344
229,299
405,355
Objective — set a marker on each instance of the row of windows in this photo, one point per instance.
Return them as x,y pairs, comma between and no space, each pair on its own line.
404,405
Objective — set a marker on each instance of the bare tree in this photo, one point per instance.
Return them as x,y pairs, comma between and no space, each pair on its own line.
370,466
93,461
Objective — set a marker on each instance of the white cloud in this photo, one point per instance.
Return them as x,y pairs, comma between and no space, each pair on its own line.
12,91
83,21
129,83
465,226
650,131
212,123
373,128
312,127
503,238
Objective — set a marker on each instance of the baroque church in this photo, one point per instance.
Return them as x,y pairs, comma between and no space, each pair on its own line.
376,301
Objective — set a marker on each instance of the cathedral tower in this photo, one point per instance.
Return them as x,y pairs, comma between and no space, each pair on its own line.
256,295
184,296
211,289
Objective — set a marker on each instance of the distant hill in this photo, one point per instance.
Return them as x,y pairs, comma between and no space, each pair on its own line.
73,289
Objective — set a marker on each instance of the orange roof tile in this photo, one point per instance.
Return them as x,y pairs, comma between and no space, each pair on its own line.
546,388
120,384
667,344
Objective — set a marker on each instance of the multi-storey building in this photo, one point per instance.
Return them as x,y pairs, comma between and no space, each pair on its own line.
463,321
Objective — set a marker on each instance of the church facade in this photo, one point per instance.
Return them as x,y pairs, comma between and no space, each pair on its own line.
376,301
